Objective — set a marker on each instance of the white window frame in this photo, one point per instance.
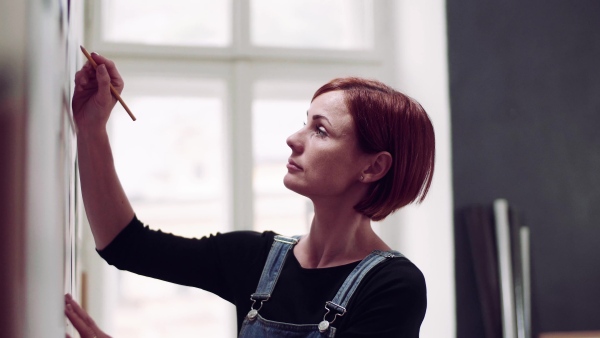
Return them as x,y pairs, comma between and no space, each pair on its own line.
241,49
240,65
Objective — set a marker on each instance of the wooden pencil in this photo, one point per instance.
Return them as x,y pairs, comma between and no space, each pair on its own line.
112,89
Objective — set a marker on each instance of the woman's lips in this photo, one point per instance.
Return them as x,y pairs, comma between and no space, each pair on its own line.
291,165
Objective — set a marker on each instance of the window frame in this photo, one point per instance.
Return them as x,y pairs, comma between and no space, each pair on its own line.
240,66
241,48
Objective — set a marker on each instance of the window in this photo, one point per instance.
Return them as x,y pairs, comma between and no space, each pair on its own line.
173,168
217,86
154,22
278,110
309,24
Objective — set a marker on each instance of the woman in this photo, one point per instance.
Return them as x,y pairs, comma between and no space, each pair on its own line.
365,151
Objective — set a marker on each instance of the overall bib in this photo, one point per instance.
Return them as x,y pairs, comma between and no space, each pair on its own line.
255,326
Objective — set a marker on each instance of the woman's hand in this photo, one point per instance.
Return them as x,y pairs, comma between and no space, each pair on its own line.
83,323
92,99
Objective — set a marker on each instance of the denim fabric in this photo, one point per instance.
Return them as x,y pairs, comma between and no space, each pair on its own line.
273,265
351,283
263,328
255,326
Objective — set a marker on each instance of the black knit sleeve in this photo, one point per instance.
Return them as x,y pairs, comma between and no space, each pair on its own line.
220,263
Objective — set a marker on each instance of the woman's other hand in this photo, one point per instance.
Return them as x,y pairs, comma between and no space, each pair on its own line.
83,323
92,99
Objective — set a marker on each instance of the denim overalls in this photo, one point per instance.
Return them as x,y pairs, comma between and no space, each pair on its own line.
255,326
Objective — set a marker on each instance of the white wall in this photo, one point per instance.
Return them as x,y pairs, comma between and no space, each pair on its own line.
44,225
50,232
425,232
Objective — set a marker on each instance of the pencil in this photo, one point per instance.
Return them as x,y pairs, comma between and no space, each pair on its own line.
112,89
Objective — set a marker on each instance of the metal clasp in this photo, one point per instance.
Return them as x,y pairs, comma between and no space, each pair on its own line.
340,311
254,312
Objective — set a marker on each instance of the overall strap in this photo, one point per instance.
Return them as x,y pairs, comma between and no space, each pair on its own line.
272,269
341,299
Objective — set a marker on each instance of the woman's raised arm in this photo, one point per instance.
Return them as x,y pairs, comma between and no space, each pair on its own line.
106,205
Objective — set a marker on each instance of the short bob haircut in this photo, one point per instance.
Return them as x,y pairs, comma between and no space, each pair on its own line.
387,120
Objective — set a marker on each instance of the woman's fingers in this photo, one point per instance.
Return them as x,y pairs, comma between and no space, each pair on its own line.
78,310
104,95
83,81
83,323
92,98
93,84
85,331
111,68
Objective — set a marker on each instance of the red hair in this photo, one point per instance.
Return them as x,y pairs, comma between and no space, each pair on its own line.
387,120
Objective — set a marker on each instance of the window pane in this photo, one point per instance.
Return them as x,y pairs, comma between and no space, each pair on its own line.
323,24
177,22
278,110
171,163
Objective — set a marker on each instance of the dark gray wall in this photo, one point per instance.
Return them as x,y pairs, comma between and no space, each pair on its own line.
525,100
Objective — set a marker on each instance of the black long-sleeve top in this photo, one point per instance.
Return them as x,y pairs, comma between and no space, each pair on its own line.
389,302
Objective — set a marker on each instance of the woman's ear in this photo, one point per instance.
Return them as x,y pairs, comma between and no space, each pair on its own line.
379,165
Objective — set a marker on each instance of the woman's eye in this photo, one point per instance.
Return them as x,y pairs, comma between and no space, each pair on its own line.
321,131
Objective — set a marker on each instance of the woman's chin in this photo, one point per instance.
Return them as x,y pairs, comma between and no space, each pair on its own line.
291,183
288,182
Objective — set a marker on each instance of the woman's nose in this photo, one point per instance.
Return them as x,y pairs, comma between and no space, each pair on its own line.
294,142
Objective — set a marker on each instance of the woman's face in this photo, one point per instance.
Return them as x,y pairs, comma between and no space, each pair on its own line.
326,160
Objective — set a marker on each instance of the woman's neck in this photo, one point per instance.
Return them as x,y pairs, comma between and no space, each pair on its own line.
337,238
